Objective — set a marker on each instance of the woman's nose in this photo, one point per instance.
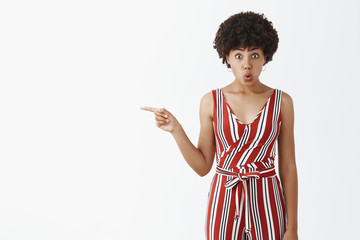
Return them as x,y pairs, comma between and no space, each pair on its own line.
246,64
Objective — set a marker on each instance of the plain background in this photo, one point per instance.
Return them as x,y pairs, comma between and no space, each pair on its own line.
79,160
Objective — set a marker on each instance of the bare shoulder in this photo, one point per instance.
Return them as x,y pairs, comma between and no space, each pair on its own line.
286,98
287,108
207,105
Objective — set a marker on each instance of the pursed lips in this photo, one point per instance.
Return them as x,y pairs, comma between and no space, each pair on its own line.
247,74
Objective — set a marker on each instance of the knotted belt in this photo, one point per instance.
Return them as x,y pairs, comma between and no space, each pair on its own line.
239,176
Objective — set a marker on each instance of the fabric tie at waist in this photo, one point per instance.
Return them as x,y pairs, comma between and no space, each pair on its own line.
239,176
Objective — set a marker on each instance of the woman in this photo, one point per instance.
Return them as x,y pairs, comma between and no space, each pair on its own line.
240,125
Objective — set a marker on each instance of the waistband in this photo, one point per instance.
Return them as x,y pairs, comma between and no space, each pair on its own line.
243,173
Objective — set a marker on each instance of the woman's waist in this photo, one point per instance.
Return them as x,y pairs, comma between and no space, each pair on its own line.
262,171
264,163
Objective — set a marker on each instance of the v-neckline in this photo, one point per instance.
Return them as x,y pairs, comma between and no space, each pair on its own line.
232,112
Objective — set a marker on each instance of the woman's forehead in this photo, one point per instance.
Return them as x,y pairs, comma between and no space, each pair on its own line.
247,48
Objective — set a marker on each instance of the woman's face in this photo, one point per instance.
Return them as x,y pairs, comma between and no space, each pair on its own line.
246,64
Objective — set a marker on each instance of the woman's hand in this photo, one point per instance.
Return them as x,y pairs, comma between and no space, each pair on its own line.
290,235
164,119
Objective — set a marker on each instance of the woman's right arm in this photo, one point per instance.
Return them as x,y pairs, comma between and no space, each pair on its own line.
200,159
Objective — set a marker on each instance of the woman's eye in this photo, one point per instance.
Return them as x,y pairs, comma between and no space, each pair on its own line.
237,56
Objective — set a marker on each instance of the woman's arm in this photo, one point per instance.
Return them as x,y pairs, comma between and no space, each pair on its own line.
200,159
287,164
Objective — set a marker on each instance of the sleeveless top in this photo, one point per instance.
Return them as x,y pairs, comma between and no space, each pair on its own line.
247,146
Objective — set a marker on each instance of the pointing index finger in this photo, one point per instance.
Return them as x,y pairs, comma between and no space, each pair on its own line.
150,109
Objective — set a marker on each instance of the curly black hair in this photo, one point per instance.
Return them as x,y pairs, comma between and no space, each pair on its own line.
246,29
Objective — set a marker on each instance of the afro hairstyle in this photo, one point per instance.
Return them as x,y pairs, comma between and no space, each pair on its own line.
246,29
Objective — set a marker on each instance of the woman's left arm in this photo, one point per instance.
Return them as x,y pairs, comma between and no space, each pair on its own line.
287,165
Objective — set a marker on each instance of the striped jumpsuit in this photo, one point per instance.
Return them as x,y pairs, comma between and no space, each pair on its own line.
246,199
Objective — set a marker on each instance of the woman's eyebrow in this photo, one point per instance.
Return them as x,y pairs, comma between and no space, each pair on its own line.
250,49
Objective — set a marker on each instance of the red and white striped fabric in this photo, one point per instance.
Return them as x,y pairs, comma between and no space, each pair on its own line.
246,199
